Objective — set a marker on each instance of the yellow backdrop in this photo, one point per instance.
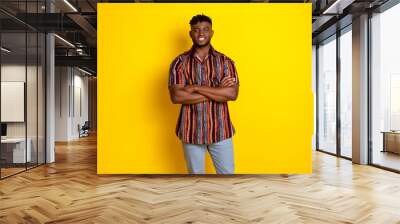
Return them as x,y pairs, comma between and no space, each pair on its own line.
273,115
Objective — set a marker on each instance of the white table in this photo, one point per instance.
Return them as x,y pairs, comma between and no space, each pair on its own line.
18,145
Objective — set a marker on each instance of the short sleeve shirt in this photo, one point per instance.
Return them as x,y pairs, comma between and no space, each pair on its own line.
206,122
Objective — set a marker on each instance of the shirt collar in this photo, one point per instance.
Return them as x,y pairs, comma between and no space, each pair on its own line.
212,51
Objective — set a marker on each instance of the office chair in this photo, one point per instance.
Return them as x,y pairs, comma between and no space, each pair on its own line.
84,130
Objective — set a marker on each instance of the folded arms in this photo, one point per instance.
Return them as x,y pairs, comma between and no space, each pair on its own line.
192,94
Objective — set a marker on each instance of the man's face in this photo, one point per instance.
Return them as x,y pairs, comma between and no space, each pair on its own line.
201,34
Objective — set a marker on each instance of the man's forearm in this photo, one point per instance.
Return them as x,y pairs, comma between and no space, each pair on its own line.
214,97
219,94
193,98
181,96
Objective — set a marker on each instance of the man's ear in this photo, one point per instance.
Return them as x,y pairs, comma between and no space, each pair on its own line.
212,33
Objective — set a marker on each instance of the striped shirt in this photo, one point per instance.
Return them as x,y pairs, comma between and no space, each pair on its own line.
207,122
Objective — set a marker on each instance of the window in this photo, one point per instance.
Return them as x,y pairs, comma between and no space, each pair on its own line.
327,95
346,93
385,88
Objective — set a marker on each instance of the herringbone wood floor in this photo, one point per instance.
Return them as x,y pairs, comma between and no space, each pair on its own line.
69,191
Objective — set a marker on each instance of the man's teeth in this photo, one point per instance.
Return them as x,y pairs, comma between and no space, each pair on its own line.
201,38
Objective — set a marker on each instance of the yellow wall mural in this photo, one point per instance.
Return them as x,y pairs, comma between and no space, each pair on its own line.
273,114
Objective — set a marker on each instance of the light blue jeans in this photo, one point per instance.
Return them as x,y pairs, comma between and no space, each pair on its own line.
221,154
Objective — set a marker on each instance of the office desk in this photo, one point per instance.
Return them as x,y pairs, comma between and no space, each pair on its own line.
15,148
391,141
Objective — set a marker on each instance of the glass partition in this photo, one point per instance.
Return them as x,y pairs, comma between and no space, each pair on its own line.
22,78
346,93
14,153
385,88
327,95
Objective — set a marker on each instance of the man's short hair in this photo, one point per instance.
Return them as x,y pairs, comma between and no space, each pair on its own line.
200,18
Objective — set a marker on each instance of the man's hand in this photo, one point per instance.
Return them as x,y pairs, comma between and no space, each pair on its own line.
228,82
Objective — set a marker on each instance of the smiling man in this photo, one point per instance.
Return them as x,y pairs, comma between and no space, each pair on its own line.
203,80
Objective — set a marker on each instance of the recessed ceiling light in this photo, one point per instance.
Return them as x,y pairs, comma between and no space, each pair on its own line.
84,71
64,40
337,7
5,50
71,6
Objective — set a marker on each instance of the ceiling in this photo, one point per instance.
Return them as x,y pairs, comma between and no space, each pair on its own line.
329,16
76,22
72,20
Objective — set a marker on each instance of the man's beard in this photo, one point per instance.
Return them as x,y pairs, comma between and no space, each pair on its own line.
201,45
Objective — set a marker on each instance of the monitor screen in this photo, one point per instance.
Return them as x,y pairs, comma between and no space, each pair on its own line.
3,129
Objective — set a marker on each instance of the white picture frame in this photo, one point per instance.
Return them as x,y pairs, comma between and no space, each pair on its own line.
12,101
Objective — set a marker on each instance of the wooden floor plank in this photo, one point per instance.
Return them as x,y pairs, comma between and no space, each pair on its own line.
70,191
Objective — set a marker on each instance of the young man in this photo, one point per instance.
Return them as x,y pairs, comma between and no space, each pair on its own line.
203,80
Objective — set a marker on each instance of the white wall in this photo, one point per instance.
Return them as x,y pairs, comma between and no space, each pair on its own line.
62,82
13,72
71,87
80,83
